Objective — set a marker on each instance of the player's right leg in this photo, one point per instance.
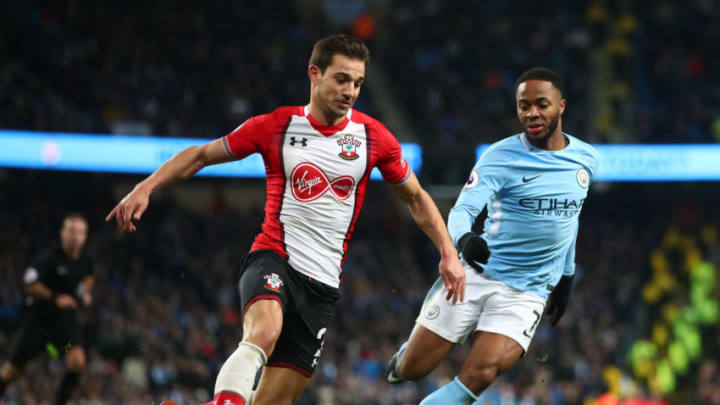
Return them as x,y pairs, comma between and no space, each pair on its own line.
419,356
439,325
299,348
263,295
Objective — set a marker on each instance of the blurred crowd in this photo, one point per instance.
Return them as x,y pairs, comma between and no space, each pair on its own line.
163,68
166,312
634,71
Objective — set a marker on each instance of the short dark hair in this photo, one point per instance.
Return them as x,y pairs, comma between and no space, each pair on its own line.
342,44
73,215
541,73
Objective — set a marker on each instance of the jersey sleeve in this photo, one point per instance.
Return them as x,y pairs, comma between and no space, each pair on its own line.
250,137
391,163
38,269
485,180
569,268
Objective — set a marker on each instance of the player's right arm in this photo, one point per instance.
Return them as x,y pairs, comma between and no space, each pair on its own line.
476,193
180,167
248,138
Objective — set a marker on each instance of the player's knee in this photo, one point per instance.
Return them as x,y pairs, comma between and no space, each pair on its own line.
264,335
477,378
75,360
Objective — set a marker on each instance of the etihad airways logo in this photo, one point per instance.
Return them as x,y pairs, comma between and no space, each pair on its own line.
309,182
560,207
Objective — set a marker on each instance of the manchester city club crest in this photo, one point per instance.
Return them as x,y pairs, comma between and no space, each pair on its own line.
432,312
348,147
273,282
583,178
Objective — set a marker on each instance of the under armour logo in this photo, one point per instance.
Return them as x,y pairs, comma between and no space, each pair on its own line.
293,141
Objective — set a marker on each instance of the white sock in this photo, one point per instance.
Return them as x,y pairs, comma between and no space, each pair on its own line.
239,371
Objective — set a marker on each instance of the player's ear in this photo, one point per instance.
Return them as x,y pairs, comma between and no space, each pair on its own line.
562,106
314,73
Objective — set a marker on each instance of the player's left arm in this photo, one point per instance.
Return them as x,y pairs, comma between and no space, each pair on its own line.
428,217
560,296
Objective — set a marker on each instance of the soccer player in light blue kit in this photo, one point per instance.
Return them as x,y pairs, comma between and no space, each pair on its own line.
534,185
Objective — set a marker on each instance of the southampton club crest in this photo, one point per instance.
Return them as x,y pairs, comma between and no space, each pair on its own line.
348,147
273,282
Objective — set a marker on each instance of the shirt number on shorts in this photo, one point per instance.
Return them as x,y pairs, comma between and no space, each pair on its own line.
320,336
529,332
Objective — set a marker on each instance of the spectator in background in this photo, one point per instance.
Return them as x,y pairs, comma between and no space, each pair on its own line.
57,285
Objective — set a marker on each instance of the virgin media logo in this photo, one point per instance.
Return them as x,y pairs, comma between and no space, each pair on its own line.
309,182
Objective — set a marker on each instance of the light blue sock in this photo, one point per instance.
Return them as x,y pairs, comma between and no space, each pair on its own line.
452,393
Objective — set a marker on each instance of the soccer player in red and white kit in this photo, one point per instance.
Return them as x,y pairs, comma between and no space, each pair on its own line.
318,160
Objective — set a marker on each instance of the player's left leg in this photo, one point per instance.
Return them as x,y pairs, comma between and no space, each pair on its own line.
279,386
75,362
491,355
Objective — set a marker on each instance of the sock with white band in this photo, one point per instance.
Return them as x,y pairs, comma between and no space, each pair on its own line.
238,373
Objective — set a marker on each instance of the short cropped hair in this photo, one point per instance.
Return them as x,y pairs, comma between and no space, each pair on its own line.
342,44
545,74
73,215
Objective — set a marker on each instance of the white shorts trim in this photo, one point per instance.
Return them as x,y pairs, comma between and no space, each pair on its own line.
490,306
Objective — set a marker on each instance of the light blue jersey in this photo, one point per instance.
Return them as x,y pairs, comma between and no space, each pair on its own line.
534,197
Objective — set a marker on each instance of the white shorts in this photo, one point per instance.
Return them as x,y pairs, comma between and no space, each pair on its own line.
490,306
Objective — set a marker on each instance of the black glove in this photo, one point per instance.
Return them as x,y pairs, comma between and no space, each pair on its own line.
474,249
559,299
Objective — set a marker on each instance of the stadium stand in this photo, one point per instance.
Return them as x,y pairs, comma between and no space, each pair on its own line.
166,312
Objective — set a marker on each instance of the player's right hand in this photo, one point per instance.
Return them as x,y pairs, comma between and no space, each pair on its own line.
65,301
474,249
453,275
130,208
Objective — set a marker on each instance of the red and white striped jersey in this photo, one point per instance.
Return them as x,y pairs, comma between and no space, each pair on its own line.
317,177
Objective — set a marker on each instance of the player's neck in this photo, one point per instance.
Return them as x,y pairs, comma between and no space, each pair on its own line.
557,141
322,116
71,253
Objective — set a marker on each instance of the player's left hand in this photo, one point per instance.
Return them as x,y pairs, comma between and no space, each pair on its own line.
453,275
559,298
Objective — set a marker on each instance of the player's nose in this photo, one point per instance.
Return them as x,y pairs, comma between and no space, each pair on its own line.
532,112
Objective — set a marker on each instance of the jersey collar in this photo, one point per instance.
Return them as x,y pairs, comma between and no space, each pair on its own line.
327,130
531,148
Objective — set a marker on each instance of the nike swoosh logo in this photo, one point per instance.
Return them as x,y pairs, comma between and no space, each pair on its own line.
526,179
